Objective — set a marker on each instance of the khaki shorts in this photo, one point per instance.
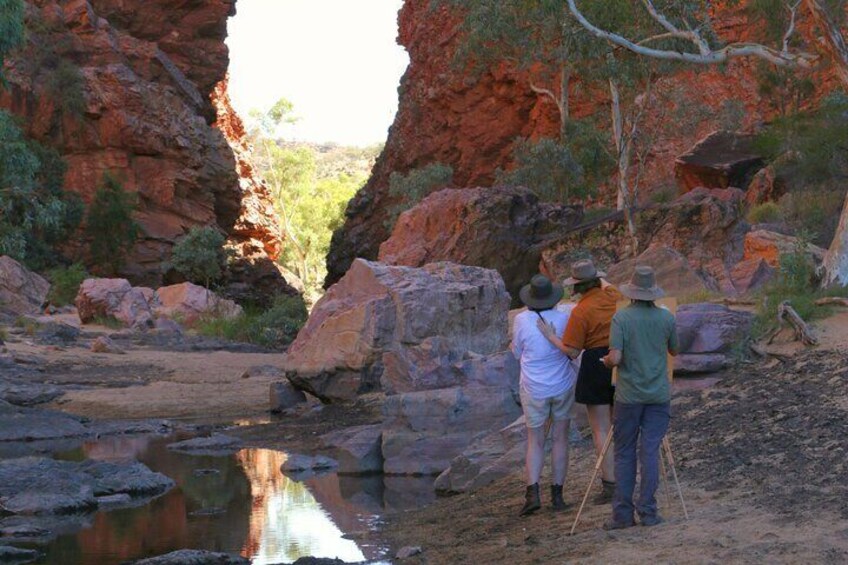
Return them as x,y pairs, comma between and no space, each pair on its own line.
557,408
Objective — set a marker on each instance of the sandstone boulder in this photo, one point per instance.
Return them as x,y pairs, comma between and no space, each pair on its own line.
674,274
423,431
765,186
215,444
720,160
751,274
358,450
115,298
708,334
494,456
21,291
769,246
104,344
502,229
400,315
189,302
695,363
194,557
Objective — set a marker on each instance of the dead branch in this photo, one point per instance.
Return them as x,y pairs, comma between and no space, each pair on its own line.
832,301
786,314
762,352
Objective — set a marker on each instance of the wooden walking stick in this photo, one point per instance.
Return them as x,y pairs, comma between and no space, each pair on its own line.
667,447
598,464
664,476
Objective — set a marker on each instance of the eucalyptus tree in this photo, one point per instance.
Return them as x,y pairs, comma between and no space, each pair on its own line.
563,60
688,22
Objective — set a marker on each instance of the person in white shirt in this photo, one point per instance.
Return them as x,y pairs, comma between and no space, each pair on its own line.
547,384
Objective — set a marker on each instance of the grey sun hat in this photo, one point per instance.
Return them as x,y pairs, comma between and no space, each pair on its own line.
642,285
541,293
582,271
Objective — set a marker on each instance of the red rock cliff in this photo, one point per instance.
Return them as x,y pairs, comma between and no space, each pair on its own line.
471,123
151,76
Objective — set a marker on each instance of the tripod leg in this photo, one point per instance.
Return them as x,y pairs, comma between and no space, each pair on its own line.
598,464
664,476
667,448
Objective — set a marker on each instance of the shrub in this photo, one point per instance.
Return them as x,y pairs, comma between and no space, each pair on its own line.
815,211
65,283
200,256
765,213
273,328
413,187
546,167
66,84
663,195
110,226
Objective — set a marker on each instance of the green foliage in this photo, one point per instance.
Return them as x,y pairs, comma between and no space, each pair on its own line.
65,83
11,29
273,328
796,282
200,256
311,186
815,211
663,195
110,225
413,187
548,168
36,214
108,322
65,283
765,213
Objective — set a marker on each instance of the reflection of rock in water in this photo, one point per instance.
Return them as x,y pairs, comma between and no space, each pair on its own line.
287,522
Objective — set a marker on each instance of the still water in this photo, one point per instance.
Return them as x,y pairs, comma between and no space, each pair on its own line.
239,504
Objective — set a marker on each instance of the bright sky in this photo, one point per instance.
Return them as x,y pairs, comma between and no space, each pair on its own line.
336,60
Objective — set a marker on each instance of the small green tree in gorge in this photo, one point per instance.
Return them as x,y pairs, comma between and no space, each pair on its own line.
35,214
110,226
413,187
200,255
11,29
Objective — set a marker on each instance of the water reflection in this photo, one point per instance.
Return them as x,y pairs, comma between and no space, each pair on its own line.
239,504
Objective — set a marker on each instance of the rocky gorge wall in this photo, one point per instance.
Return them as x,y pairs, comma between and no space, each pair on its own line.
471,123
148,78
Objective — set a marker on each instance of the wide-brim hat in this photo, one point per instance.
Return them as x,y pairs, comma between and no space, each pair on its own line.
642,285
583,271
541,293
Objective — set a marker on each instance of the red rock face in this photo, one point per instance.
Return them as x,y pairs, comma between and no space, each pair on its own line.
148,68
471,123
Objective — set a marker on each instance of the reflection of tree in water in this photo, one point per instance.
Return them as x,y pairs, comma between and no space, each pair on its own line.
287,523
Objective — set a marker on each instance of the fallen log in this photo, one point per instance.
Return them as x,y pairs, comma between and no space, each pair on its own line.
786,314
832,301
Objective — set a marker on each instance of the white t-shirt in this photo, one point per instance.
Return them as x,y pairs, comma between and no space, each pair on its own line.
545,370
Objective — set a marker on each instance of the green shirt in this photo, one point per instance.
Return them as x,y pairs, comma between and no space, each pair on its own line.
644,335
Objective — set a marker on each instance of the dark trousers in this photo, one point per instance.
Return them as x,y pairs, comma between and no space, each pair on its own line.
644,425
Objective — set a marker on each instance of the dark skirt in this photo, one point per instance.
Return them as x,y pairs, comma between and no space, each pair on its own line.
594,381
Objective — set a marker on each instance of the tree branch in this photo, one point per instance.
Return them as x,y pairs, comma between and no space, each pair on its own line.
710,57
548,93
793,11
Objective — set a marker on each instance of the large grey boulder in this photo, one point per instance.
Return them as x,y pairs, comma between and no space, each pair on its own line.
115,298
358,450
216,444
494,456
423,431
708,334
21,291
284,396
29,424
397,326
674,273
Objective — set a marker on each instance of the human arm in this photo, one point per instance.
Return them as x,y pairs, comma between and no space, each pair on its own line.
673,342
556,341
613,358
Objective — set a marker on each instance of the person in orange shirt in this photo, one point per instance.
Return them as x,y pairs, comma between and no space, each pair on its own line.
588,331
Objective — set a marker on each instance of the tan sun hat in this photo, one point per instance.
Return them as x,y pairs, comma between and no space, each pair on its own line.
642,285
583,271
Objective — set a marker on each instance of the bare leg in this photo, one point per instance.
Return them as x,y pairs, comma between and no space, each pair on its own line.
599,420
559,451
535,454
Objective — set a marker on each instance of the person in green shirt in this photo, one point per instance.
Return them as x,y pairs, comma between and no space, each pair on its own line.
641,337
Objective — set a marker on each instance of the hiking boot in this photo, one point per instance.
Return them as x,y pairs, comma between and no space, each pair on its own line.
649,521
532,500
614,525
606,494
557,503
